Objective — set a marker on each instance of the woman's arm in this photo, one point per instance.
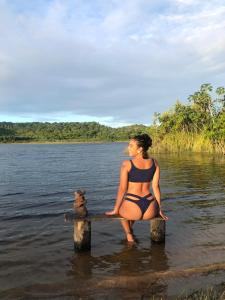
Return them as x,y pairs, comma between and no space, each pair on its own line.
155,184
122,188
156,189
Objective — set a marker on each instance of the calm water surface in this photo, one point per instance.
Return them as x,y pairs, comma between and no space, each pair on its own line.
37,260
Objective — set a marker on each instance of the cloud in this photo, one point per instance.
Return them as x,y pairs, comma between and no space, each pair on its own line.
112,60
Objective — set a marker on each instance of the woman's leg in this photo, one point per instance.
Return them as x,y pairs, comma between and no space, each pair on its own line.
127,229
131,225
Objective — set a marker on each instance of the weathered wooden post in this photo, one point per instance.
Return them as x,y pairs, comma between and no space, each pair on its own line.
82,235
158,229
82,228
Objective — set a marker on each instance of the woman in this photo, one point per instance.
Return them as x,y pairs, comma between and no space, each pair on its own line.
134,202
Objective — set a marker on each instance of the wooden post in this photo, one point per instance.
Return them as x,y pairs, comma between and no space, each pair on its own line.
82,228
158,229
82,235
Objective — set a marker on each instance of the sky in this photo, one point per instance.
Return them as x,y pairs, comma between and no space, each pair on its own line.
110,61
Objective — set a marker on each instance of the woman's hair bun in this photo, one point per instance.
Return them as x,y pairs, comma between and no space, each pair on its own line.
143,140
147,140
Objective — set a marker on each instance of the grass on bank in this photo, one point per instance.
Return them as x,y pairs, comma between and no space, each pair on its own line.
180,142
216,292
211,293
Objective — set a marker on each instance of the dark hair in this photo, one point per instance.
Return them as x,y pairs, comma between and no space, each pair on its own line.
144,141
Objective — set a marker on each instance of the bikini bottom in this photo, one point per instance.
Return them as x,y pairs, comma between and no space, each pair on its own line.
143,203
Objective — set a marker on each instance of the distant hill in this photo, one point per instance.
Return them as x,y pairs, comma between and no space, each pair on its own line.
65,131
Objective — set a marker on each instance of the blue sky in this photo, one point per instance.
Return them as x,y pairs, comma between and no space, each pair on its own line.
114,62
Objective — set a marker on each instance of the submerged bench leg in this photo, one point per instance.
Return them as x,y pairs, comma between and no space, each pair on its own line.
82,235
158,230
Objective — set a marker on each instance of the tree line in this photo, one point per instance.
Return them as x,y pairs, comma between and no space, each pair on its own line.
202,118
205,114
65,131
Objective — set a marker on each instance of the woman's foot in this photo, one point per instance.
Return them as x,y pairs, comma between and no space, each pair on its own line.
130,237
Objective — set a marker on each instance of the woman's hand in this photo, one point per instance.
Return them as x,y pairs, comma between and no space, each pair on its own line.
163,216
112,212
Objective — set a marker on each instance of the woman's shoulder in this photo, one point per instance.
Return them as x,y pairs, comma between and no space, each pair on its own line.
126,164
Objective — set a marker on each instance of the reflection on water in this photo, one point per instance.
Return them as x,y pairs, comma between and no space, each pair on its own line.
116,271
120,263
37,257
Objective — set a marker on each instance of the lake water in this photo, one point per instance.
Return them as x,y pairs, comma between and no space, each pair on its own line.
37,259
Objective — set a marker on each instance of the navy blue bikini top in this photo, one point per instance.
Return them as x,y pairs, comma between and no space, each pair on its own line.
141,175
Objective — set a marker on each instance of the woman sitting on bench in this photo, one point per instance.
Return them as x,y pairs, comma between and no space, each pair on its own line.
134,202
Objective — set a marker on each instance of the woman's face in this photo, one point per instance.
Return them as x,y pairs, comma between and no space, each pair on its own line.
133,148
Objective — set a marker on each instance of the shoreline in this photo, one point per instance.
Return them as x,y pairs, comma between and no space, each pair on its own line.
62,142
161,146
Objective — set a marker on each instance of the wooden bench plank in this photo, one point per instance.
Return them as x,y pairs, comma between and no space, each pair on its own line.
70,217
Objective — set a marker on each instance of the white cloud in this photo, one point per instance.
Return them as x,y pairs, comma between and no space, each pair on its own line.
116,60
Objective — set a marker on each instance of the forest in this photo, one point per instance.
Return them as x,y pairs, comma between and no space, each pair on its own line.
198,125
